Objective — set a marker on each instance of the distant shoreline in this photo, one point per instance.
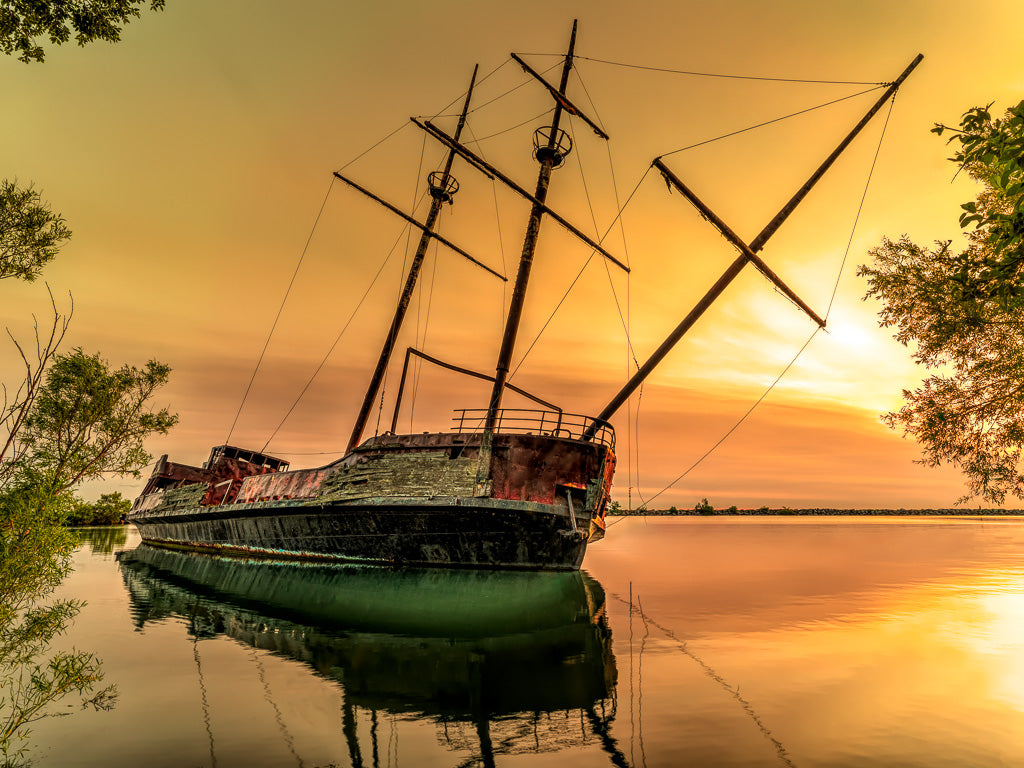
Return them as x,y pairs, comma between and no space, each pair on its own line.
786,512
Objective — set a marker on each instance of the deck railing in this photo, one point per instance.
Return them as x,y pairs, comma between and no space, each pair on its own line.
571,426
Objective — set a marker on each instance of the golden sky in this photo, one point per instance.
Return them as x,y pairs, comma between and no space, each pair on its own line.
192,158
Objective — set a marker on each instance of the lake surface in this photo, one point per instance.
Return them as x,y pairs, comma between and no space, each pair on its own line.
847,641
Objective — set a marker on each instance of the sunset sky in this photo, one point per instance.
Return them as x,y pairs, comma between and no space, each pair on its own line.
193,158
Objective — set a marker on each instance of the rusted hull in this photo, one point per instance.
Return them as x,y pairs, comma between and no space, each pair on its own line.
453,532
526,501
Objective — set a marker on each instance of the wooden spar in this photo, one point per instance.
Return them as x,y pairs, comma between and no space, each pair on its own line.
567,105
515,309
733,238
734,269
427,232
413,351
494,173
758,242
410,283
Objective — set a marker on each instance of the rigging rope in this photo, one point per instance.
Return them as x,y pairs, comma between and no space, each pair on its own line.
405,123
774,120
580,274
729,76
835,288
280,309
370,149
403,277
462,96
860,207
526,80
422,343
497,222
337,339
512,128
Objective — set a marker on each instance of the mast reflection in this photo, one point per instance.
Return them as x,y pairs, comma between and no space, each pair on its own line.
503,662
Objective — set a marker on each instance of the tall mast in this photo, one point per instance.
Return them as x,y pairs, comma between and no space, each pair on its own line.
549,156
442,187
748,253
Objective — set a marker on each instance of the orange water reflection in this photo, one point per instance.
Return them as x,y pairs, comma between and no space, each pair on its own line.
750,641
852,641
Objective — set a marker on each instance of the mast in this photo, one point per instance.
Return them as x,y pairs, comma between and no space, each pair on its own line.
442,187
549,156
748,253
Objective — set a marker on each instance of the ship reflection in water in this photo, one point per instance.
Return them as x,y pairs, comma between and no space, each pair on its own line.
502,663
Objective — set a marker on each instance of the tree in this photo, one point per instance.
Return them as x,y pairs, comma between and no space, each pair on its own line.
70,419
89,421
35,554
83,421
23,21
704,507
962,312
30,233
108,510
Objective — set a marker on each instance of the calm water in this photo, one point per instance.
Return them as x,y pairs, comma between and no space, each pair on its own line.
687,641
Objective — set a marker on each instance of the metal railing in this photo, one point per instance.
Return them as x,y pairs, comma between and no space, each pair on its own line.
571,426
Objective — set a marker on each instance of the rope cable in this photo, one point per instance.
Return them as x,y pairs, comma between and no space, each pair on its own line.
730,76
408,249
497,221
774,120
578,275
370,149
860,207
422,342
280,309
590,101
742,418
461,97
835,288
406,231
512,128
692,146
337,339
526,80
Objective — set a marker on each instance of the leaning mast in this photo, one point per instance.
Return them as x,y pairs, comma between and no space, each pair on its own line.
442,187
747,255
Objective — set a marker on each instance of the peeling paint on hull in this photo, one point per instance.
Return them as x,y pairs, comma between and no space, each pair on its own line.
441,534
395,500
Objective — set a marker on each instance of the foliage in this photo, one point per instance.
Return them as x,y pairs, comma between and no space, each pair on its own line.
704,508
35,556
72,419
109,510
962,312
615,508
88,420
30,233
23,21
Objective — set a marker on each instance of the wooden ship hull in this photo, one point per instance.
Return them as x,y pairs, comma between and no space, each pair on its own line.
433,499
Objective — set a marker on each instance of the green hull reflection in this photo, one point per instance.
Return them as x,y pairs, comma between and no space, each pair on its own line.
449,646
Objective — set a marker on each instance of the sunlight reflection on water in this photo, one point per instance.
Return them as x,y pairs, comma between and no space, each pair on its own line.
688,641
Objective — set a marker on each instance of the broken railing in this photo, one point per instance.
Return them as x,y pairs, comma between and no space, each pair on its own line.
570,426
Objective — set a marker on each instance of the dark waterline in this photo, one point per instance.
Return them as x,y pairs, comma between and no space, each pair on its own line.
686,641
